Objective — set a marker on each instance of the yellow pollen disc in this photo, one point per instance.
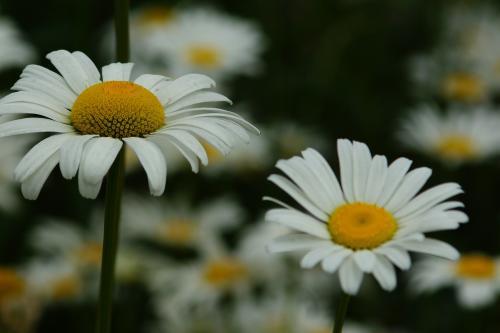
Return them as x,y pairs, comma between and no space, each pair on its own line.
463,87
203,56
459,147
225,272
12,285
178,232
155,15
475,266
117,109
90,254
66,287
361,226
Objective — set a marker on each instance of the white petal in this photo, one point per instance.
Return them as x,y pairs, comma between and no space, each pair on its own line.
298,221
150,81
37,156
163,141
33,125
93,75
411,184
350,277
190,142
432,246
331,263
71,155
384,273
117,72
70,68
35,98
28,108
172,91
344,150
395,175
361,159
397,256
88,190
197,97
313,257
365,259
98,156
152,161
376,178
32,186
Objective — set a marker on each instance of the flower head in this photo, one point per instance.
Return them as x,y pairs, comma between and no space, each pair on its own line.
94,118
476,277
369,222
457,137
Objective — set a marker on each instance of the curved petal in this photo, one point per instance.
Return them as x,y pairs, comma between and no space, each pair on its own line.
411,184
361,160
172,91
384,273
33,125
395,174
71,154
298,221
117,72
315,256
197,97
431,246
344,150
365,260
32,186
331,263
294,242
71,69
98,156
152,161
350,277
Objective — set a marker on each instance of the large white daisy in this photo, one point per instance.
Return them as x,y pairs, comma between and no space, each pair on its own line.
458,136
94,118
475,276
204,41
371,222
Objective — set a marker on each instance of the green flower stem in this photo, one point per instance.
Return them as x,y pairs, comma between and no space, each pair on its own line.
114,190
341,312
114,186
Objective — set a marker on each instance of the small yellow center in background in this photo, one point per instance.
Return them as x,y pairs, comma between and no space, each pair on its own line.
12,285
361,226
155,15
66,287
89,254
456,147
206,57
117,109
225,272
178,232
475,266
214,156
463,87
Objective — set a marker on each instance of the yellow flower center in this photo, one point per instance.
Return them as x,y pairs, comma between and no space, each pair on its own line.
457,146
155,15
66,287
361,226
12,285
178,232
203,56
463,87
89,254
475,266
225,272
117,109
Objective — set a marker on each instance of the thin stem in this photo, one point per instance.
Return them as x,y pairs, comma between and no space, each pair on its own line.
122,30
341,312
114,187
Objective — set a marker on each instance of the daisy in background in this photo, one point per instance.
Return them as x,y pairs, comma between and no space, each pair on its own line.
93,119
370,223
290,139
456,137
202,40
476,277
14,51
177,224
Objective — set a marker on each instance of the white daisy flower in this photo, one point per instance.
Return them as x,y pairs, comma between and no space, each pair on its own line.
475,276
371,222
458,136
179,225
63,239
14,51
94,118
205,41
55,280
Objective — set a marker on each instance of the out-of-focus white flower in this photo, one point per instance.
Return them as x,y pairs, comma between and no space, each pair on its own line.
177,224
14,51
64,239
94,119
370,223
205,41
291,138
455,137
475,276
55,280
